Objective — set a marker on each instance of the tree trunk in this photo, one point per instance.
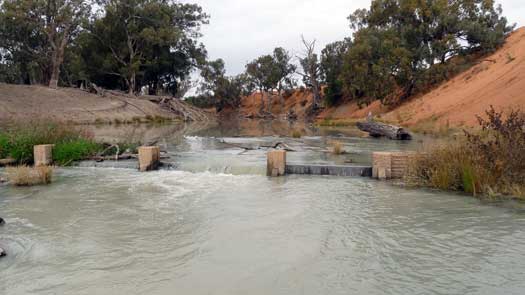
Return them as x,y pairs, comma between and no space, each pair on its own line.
317,95
132,83
261,109
57,60
55,73
270,102
57,57
376,129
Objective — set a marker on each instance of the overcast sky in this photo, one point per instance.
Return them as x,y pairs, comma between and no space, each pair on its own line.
241,30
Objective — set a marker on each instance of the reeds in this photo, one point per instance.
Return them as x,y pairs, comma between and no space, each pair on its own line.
28,176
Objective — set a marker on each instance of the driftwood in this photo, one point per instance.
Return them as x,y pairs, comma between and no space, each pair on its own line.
121,157
7,162
279,145
274,145
376,129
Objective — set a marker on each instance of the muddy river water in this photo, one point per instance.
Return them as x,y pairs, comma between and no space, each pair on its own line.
217,225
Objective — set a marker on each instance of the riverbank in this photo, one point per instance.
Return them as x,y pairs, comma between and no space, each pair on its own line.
75,106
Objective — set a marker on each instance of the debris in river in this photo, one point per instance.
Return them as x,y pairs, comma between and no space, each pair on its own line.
377,129
2,221
2,252
7,162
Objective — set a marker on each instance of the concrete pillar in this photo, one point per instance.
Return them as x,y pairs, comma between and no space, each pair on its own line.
400,163
276,164
149,158
43,154
382,165
391,165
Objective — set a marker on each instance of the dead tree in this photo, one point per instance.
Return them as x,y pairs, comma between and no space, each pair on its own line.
311,71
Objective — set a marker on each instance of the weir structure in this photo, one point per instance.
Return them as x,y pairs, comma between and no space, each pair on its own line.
385,165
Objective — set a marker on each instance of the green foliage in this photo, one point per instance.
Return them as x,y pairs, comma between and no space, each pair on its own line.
331,65
491,161
18,140
34,36
219,90
402,46
143,43
66,152
469,180
4,145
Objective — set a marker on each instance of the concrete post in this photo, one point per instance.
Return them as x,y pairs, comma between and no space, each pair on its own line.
382,165
391,165
43,154
276,163
149,158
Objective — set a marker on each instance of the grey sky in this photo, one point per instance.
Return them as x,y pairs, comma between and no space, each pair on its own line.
241,30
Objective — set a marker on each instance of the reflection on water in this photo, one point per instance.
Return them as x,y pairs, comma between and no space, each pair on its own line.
198,231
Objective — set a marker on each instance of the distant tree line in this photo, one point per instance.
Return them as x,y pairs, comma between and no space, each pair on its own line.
122,44
398,48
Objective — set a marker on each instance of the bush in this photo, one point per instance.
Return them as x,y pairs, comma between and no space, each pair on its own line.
27,176
489,162
337,148
18,139
296,134
64,153
4,146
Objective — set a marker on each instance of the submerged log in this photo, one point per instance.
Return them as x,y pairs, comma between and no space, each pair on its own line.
376,129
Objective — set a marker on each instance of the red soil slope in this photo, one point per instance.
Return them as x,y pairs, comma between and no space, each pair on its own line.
299,101
497,80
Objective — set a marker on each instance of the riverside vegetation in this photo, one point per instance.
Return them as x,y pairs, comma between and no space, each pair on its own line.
71,143
489,163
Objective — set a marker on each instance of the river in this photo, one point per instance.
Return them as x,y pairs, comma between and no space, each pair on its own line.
217,225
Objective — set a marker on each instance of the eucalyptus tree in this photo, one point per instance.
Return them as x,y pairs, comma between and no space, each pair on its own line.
146,43
404,39
271,72
331,65
222,90
34,35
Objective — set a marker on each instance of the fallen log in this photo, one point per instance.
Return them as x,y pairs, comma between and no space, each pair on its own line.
376,129
7,162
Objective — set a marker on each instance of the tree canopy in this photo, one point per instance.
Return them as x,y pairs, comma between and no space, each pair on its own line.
397,42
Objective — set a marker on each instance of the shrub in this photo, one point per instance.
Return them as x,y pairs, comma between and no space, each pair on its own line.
64,153
27,176
4,145
337,148
20,138
296,134
489,162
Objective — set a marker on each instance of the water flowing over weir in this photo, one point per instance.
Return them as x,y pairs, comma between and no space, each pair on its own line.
217,225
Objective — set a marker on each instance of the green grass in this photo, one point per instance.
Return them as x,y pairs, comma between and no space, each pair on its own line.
71,142
4,146
65,153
